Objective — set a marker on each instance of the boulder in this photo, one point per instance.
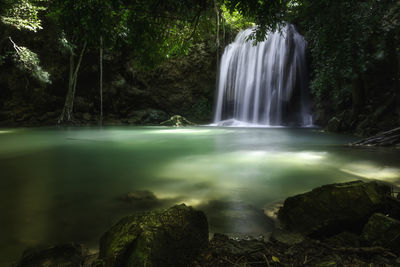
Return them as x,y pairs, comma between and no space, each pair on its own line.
67,255
170,237
383,231
330,209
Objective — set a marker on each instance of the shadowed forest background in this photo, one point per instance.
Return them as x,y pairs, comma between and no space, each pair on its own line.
140,62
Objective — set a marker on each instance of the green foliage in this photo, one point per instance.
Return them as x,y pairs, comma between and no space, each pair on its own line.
346,38
157,30
268,15
23,14
153,30
66,45
234,19
28,60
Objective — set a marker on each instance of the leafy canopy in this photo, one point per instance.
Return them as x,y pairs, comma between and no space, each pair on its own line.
153,30
347,38
23,14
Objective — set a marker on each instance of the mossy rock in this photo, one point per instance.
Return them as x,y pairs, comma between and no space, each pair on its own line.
334,208
170,237
67,255
382,231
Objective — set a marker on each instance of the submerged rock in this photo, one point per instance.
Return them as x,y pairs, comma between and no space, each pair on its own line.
141,200
170,237
335,208
382,231
67,255
238,217
140,195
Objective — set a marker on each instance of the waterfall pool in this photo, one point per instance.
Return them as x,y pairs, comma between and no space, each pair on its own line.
70,184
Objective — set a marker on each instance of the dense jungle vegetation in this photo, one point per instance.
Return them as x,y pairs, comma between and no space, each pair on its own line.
141,61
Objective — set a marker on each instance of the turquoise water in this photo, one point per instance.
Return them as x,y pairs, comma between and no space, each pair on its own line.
69,184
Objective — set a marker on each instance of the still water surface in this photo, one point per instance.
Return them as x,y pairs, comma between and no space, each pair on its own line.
70,184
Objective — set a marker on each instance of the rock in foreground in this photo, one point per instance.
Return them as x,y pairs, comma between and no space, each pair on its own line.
331,209
68,255
382,231
171,237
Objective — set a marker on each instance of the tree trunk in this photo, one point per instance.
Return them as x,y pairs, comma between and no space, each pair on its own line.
66,114
101,80
389,138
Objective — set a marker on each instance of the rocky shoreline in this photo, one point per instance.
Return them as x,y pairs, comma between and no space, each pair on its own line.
347,224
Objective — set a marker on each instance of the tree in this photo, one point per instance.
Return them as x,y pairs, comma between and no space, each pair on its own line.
22,15
153,30
70,16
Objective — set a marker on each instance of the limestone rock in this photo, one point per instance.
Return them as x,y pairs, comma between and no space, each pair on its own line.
68,255
382,231
330,209
170,237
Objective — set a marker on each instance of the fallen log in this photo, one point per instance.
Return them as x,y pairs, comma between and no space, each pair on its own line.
389,138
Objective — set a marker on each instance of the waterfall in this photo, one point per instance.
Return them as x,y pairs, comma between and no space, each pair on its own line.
264,84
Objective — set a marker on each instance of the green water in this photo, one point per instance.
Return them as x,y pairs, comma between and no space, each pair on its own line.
63,185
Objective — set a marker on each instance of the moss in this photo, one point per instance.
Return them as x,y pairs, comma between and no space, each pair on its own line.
382,231
326,209
170,236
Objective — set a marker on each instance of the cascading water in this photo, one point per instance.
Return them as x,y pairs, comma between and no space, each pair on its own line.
264,84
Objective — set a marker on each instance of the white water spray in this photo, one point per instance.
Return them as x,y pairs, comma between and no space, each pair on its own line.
265,84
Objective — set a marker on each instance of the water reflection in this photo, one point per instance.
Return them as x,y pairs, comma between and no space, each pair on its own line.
63,185
237,216
369,170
